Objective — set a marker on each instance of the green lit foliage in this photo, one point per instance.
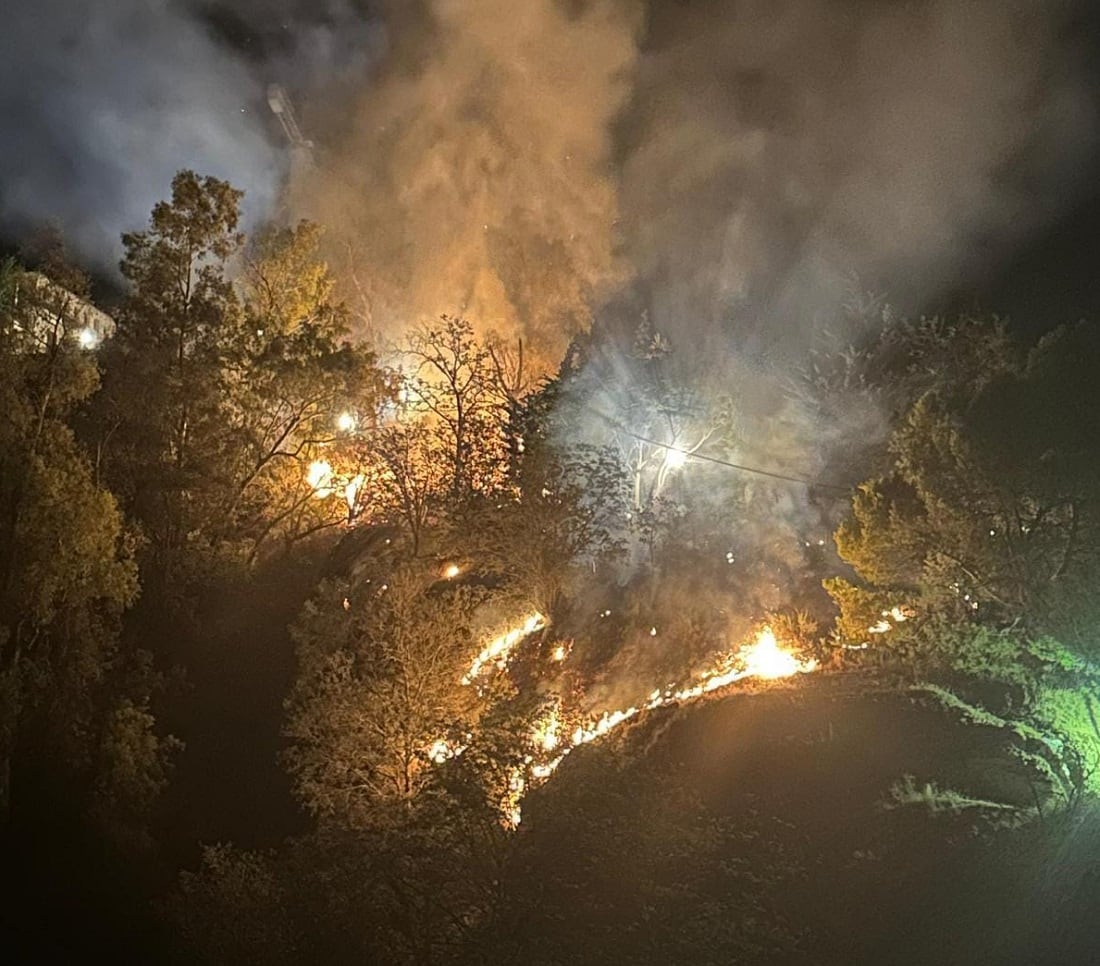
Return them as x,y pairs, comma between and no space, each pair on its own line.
985,529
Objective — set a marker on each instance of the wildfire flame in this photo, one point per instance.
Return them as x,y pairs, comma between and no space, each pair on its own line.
499,649
764,659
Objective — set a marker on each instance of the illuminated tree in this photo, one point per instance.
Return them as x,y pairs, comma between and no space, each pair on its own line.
403,764
402,468
300,392
379,684
455,387
219,398
69,697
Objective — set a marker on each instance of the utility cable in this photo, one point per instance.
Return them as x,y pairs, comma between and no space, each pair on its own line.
721,462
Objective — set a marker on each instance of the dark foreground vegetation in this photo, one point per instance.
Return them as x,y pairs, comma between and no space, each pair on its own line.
245,568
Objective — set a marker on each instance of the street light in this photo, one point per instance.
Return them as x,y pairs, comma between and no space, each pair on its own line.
675,458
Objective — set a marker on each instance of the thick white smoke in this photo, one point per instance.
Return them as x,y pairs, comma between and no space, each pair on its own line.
101,103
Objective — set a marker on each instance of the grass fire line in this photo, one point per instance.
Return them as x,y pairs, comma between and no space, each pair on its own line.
762,659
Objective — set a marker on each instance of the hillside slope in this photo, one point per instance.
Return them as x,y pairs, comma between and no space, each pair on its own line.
761,826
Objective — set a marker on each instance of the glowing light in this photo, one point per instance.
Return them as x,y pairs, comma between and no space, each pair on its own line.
88,338
895,615
345,422
351,491
499,649
767,660
547,734
675,458
558,654
451,571
442,750
319,478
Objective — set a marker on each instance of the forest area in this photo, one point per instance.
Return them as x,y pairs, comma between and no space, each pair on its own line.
311,652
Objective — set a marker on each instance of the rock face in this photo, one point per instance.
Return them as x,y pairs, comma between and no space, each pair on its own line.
875,826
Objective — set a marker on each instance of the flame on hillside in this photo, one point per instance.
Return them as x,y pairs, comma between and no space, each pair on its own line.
499,650
763,659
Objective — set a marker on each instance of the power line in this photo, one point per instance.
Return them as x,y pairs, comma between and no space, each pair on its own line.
721,462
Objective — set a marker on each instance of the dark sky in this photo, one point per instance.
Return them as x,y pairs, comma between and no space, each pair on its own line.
101,103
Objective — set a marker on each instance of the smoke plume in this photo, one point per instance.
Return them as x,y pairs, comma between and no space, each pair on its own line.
101,104
774,151
474,174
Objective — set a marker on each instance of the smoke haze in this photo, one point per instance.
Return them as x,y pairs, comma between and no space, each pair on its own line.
726,170
734,163
778,149
101,103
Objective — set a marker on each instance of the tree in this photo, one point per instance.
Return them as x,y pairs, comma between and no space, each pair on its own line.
379,693
454,386
236,908
400,477
66,568
988,505
220,396
162,428
977,551
403,760
567,510
299,393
